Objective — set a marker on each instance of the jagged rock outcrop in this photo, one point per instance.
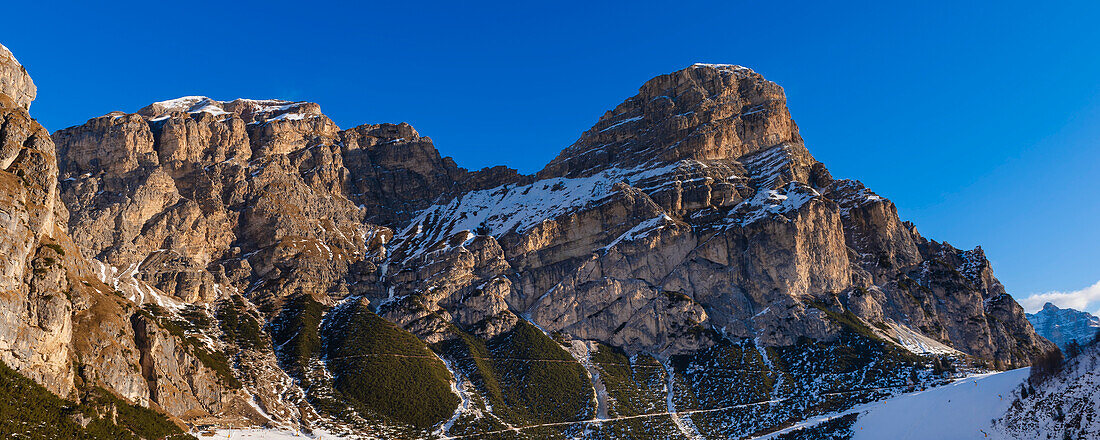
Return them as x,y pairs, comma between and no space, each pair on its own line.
60,325
35,300
15,83
702,113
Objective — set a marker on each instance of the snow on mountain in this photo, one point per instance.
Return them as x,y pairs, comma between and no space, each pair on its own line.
983,406
262,434
1061,326
255,111
517,208
961,410
1063,406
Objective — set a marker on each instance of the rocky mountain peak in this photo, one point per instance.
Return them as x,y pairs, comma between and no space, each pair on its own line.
251,263
703,112
1064,325
252,111
15,83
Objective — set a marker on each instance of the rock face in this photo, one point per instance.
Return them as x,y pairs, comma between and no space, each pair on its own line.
59,323
35,303
1061,326
15,83
247,238
695,204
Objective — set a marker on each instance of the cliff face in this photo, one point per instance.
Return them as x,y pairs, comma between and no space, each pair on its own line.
696,203
35,303
233,246
63,320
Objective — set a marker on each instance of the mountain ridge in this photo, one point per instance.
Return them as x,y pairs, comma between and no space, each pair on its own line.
1064,325
241,242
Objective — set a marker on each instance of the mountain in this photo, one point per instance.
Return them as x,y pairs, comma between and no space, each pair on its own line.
685,269
72,353
1009,405
1064,405
1061,326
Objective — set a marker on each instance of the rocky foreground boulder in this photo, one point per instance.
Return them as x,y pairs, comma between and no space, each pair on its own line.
686,268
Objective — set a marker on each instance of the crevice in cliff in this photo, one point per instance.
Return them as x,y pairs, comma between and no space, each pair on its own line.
143,342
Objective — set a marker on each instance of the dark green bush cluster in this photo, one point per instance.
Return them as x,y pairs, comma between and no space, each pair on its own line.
383,369
839,428
27,410
239,327
511,371
296,333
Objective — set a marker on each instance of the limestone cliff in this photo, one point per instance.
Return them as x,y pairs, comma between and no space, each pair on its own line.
60,324
689,233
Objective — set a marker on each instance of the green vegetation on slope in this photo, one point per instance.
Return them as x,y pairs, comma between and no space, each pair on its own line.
758,391
30,411
383,369
296,333
635,385
839,428
239,327
527,376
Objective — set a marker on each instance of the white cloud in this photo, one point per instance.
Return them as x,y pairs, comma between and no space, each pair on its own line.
1077,299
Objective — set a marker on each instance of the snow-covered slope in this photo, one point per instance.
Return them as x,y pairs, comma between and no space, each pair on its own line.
961,410
1066,405
1001,406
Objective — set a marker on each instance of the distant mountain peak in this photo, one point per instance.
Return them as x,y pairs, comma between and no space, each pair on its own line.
1063,325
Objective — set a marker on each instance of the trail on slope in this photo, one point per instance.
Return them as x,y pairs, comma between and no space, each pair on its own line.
582,352
458,386
565,361
684,424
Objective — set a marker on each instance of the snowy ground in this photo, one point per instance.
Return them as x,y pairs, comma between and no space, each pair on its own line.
961,410
263,434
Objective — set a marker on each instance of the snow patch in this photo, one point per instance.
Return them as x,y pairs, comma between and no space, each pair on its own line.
518,208
641,230
961,410
918,343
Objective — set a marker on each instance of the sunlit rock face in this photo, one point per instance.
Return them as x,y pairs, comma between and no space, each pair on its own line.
218,253
65,321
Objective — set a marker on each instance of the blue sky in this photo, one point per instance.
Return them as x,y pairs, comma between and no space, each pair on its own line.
980,121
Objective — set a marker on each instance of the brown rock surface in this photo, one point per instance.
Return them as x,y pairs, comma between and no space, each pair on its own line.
15,83
60,325
690,214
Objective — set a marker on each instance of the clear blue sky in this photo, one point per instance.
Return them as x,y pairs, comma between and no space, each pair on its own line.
982,122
